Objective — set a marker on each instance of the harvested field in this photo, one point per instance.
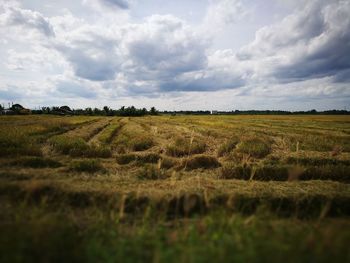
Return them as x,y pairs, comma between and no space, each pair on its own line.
148,188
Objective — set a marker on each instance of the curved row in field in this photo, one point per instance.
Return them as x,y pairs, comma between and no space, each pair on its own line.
107,135
16,140
159,146
307,199
76,142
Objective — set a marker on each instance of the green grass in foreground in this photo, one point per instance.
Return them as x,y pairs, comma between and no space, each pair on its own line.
38,234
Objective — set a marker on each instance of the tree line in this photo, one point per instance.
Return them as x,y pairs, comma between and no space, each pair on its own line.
259,112
133,111
105,111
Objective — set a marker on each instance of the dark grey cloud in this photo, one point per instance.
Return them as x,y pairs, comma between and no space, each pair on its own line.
163,47
89,67
208,80
162,51
92,56
312,43
166,57
123,4
205,84
162,54
342,76
26,19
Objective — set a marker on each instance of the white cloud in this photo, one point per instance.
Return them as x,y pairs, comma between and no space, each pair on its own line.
223,13
25,20
306,54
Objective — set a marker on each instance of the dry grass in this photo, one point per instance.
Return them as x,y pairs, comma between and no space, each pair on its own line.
200,161
86,132
254,146
228,146
151,172
185,146
77,147
167,168
125,158
87,165
109,133
35,162
16,141
141,143
304,199
132,137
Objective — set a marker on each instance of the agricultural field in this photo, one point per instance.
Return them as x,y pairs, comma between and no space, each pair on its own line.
175,189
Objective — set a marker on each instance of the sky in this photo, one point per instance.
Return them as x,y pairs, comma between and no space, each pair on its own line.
176,55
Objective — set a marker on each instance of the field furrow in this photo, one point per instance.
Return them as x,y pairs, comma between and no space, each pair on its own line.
286,175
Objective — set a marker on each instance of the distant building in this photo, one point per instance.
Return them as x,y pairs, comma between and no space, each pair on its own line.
15,109
214,112
7,112
19,109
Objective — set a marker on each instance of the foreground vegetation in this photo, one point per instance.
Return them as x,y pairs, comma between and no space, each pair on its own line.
170,188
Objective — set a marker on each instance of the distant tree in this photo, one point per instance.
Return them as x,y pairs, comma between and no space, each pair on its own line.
122,111
132,111
78,112
46,110
97,111
106,109
65,108
153,111
88,111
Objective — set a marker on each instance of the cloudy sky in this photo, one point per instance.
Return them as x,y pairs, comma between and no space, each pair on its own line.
183,54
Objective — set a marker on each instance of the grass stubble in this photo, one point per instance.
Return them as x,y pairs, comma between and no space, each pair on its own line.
175,188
